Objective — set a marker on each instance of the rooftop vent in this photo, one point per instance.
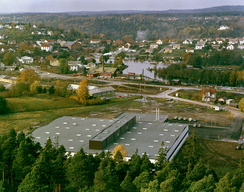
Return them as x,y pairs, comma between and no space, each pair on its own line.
82,141
74,124
116,143
165,129
122,138
57,127
149,123
38,137
66,127
180,125
134,127
65,123
71,139
57,133
82,118
133,139
78,135
97,130
104,125
176,130
167,141
101,120
150,146
172,135
87,129
47,132
73,118
170,124
139,133
161,134
94,125
88,135
144,128
128,132
71,147
140,122
127,144
155,141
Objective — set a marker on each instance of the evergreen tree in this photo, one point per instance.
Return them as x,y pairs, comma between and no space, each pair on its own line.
142,180
106,178
135,165
63,67
146,164
78,173
205,184
3,105
225,185
238,177
127,184
161,159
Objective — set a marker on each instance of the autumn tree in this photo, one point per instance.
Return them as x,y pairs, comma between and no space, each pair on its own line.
28,76
34,87
241,104
120,148
57,87
82,92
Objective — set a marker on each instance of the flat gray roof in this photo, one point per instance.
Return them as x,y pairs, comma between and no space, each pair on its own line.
146,135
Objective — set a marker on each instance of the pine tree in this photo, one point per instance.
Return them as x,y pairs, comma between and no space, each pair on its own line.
238,178
146,164
161,159
127,184
82,92
205,184
135,165
225,185
142,180
153,186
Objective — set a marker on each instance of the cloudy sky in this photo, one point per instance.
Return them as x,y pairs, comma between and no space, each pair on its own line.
10,6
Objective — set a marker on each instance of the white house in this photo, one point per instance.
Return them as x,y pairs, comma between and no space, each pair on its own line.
240,46
230,47
46,47
153,46
26,60
187,41
189,50
159,42
95,41
223,28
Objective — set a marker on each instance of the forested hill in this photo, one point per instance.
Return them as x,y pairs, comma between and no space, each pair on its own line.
141,25
218,9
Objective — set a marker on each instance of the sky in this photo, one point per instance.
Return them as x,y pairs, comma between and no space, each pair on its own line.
13,6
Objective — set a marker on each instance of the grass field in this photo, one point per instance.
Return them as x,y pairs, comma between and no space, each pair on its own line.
27,112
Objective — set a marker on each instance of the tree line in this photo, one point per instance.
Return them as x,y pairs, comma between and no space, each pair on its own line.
28,167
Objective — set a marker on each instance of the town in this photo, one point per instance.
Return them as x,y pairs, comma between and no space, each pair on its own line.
69,98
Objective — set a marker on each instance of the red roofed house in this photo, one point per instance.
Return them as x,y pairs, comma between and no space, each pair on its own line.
46,47
208,95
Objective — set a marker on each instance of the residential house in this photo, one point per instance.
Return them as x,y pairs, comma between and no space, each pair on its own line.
2,36
50,33
240,46
216,47
26,60
200,45
54,62
91,74
187,41
72,45
168,50
74,65
1,26
209,95
159,42
49,41
153,45
104,71
230,47
7,79
228,101
20,27
95,41
220,41
233,41
189,50
241,41
176,46
118,42
46,47
223,27
12,42
222,100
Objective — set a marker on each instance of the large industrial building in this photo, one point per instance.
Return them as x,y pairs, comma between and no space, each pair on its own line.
144,132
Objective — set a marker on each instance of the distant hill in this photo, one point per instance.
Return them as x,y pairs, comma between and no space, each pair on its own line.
219,9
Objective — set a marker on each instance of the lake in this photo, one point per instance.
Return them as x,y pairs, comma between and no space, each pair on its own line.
138,67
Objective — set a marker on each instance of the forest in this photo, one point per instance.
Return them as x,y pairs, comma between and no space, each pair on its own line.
27,167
